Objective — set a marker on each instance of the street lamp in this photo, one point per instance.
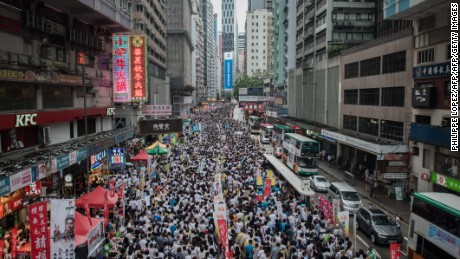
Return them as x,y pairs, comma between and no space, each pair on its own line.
83,60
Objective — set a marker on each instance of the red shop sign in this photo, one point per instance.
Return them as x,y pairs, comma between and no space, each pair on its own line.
10,206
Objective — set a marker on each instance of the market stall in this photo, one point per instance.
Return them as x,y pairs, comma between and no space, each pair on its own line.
96,198
89,232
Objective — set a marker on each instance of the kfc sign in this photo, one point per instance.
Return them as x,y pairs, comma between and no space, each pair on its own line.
23,120
110,111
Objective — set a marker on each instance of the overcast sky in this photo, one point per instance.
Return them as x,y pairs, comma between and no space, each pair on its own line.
241,8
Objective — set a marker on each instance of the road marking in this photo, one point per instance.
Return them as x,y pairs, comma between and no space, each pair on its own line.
367,246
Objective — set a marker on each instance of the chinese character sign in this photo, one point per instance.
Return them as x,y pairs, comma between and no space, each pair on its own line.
395,251
39,230
62,229
138,66
228,71
121,76
117,156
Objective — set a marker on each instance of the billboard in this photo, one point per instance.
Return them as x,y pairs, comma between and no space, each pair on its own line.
117,156
129,69
62,228
160,126
157,110
228,71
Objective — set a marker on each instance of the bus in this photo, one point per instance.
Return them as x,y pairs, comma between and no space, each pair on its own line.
254,124
266,129
301,154
278,134
434,226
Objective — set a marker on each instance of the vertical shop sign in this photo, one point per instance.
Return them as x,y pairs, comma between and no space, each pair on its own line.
121,72
137,68
62,229
14,236
38,219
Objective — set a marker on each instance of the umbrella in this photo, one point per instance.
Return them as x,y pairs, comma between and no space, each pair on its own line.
141,156
155,151
154,145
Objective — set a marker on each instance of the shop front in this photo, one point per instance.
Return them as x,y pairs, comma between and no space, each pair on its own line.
99,167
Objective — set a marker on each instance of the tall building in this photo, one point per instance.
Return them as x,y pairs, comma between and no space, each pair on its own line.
241,53
278,68
198,56
431,99
258,42
210,48
242,40
42,98
148,18
259,4
179,30
229,31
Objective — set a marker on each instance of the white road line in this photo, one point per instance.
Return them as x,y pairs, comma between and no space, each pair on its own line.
367,246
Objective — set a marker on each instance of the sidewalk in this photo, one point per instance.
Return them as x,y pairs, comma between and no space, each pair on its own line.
390,205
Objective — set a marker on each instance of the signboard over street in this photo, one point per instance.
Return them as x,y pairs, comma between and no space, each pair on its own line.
157,110
160,126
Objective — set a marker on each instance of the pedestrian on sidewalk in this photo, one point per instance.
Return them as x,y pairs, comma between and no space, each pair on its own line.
329,158
398,221
371,186
366,179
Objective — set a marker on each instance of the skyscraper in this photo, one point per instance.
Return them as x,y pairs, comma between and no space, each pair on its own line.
210,56
258,44
229,31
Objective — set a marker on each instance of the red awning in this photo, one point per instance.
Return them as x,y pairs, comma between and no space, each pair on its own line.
141,156
83,227
96,198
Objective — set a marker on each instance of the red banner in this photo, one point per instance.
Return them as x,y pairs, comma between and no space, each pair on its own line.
2,246
112,187
268,187
395,251
106,210
38,219
14,234
87,212
223,235
10,206
120,191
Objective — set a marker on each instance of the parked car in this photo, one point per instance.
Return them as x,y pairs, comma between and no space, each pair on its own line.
319,183
264,139
378,226
278,152
348,196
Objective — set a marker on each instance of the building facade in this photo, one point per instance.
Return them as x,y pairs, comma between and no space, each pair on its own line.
430,130
210,49
42,102
229,33
258,42
259,4
279,49
198,56
180,48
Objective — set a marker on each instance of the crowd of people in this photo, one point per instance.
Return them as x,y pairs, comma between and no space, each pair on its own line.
169,212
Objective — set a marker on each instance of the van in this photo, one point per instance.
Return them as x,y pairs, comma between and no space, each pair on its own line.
348,196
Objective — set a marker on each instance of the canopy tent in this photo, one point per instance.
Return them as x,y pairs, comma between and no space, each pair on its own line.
141,156
96,198
158,150
83,227
154,145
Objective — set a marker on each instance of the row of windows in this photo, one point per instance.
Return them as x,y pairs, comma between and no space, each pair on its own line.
389,96
392,63
393,130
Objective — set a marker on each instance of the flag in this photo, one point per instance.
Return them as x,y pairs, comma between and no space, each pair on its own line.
88,214
120,191
267,187
112,188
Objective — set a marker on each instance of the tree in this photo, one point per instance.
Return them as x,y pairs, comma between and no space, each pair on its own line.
245,81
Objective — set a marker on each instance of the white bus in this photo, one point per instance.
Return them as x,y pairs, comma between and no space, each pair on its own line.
278,134
254,124
301,154
434,227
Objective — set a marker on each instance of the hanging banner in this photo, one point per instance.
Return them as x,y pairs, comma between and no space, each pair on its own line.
121,71
120,191
220,209
344,221
14,242
217,187
267,187
62,228
228,71
95,237
137,64
395,250
112,187
38,219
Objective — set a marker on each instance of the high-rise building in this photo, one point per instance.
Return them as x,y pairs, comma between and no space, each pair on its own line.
179,30
242,40
198,56
430,131
229,31
210,49
258,42
259,4
45,112
278,68
148,18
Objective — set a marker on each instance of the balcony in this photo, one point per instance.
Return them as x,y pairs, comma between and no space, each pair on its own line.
104,13
430,134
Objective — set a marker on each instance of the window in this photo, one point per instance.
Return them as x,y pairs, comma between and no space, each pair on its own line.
369,126
370,67
369,96
392,130
426,158
423,119
447,88
350,122
15,96
393,96
427,23
426,55
351,96
352,70
57,96
395,62
91,126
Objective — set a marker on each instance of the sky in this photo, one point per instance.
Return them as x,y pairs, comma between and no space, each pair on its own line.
241,8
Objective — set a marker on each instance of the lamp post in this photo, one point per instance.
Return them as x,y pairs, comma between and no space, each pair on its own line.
82,59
